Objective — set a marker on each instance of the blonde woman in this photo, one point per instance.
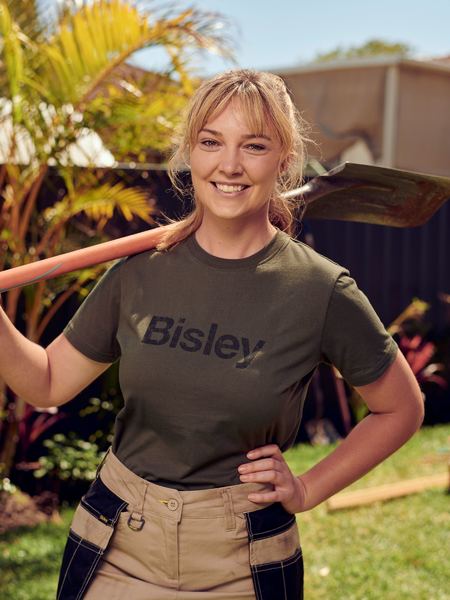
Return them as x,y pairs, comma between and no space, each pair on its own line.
218,333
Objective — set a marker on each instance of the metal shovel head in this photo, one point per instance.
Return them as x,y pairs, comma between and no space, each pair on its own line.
377,195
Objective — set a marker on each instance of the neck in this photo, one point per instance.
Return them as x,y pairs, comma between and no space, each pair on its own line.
233,240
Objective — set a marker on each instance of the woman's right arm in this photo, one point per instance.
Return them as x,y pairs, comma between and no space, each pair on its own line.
43,377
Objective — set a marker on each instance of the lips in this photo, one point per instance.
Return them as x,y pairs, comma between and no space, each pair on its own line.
228,188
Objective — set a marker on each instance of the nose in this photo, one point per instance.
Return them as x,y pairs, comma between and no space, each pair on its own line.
230,162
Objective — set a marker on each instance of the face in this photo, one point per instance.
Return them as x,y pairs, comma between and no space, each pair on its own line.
233,169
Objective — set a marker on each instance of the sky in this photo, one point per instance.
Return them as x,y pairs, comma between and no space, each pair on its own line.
276,34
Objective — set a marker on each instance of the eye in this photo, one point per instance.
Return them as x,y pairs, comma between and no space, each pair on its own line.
256,147
209,143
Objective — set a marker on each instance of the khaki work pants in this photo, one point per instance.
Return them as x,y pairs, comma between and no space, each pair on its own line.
165,544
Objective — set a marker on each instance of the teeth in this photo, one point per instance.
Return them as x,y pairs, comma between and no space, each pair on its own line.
230,188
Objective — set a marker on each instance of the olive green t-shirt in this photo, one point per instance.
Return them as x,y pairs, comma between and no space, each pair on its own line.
216,354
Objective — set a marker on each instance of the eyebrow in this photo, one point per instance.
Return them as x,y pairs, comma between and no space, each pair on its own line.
245,137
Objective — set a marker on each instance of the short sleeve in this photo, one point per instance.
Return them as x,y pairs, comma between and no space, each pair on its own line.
354,339
93,328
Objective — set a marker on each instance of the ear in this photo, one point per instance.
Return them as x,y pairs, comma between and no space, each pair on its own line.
284,164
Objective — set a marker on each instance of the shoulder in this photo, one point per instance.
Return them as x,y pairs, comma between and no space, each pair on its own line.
147,258
299,258
145,267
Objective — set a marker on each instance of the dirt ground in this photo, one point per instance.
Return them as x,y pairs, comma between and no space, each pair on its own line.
18,509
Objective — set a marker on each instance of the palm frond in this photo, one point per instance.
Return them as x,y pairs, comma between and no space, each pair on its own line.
134,122
12,59
100,203
85,278
32,16
93,41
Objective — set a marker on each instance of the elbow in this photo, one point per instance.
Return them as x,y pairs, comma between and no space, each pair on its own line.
415,413
38,401
55,401
41,400
47,405
420,410
32,395
410,416
45,401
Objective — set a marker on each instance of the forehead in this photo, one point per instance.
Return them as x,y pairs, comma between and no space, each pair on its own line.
237,114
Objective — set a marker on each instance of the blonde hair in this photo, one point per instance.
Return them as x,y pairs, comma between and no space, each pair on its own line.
265,102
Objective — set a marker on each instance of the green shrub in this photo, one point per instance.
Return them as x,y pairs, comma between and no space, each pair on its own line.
69,458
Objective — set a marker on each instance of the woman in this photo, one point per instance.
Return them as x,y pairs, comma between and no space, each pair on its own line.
219,332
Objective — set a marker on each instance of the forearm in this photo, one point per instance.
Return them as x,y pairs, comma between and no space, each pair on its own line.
23,364
375,438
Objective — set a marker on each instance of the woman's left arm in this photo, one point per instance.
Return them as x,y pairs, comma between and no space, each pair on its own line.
397,412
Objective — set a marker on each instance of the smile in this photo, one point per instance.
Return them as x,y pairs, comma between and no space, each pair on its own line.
229,189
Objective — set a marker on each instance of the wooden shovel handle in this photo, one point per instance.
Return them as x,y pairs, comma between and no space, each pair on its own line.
79,259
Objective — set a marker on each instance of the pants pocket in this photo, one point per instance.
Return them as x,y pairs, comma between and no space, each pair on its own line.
276,560
90,532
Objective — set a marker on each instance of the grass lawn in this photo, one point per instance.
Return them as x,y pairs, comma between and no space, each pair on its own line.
397,550
30,560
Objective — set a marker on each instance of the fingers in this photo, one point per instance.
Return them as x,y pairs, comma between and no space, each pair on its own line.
264,476
260,465
263,497
265,469
269,466
269,450
275,461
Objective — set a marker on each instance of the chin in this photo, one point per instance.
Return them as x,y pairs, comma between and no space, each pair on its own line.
226,212
225,216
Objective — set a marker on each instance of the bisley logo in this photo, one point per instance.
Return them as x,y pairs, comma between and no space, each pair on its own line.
161,331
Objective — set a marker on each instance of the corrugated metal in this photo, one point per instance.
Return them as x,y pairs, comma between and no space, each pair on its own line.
392,265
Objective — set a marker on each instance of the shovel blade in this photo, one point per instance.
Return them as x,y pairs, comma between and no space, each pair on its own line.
377,195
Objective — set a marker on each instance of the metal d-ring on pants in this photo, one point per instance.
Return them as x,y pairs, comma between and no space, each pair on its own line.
133,539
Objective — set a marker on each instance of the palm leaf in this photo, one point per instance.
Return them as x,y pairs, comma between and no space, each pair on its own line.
127,118
12,59
100,203
93,41
32,16
85,278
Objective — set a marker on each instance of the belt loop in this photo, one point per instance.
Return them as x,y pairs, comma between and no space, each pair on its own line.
230,521
136,519
102,462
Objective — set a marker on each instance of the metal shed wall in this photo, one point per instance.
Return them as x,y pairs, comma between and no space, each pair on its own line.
392,265
399,110
423,127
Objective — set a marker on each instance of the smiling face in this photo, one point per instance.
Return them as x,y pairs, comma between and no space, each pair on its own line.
234,169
